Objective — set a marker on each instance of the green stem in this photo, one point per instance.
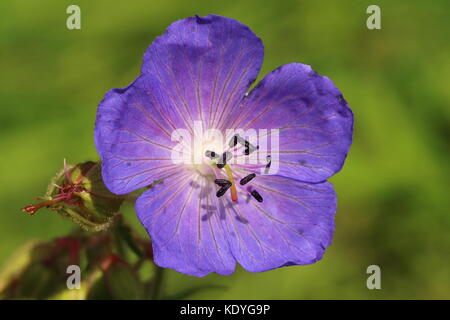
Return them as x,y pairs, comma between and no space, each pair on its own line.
156,290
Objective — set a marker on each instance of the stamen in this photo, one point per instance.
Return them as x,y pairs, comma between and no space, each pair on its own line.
222,190
257,196
234,141
247,179
223,160
222,182
250,148
269,163
211,154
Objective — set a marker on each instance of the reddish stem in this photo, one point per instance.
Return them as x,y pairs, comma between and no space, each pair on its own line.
35,207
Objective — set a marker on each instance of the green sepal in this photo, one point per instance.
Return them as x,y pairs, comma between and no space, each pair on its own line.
92,206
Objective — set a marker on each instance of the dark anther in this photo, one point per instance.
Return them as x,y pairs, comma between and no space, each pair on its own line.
211,154
222,182
223,160
256,195
250,148
269,163
222,190
247,179
234,141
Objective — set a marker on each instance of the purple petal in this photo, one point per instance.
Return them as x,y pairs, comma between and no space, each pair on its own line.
292,226
205,65
196,233
132,135
186,231
315,122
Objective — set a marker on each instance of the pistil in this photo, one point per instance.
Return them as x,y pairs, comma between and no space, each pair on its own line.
233,190
35,207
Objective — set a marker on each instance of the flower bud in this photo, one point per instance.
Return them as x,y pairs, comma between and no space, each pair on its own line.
28,274
40,269
78,192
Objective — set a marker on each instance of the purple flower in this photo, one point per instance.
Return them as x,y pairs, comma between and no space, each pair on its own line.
219,205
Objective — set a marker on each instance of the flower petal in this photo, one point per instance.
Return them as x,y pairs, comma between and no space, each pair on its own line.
292,226
186,231
314,120
132,135
196,233
206,65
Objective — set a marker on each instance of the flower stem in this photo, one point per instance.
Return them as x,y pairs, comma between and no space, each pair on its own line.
158,280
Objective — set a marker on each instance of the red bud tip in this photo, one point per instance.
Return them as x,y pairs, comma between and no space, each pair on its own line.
30,210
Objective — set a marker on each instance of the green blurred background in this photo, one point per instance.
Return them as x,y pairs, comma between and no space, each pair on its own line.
393,191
